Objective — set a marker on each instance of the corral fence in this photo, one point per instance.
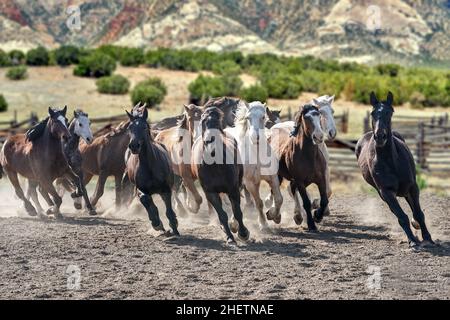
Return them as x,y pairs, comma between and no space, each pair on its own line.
427,137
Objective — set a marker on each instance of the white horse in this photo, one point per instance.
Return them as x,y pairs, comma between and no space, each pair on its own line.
328,125
259,162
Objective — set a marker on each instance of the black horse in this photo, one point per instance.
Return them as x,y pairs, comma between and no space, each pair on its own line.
148,167
388,165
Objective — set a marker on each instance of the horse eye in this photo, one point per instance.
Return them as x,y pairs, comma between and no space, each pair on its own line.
81,124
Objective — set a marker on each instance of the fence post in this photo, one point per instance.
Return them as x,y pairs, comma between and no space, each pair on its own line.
421,155
366,122
344,123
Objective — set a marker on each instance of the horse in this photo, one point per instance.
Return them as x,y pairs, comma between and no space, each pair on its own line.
227,105
387,165
178,140
217,165
105,157
273,117
79,127
260,164
302,162
328,125
148,167
38,157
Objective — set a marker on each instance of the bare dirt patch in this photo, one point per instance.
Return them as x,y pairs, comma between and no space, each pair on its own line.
119,258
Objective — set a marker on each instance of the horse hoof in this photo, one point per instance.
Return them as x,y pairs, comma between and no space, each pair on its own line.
277,219
326,213
318,217
58,216
414,245
298,219
234,226
92,212
315,204
159,227
415,224
78,206
245,236
231,242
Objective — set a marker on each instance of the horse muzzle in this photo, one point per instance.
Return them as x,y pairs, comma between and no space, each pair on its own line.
380,139
332,134
134,147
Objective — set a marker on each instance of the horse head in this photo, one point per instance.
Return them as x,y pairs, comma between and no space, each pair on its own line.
57,123
324,103
138,129
82,126
191,118
381,118
211,124
251,118
273,117
307,120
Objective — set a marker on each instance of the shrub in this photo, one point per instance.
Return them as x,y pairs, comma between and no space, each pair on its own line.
147,93
5,60
3,104
17,57
67,55
254,93
115,84
38,57
226,68
131,57
205,87
332,84
232,85
17,73
156,82
96,65
389,69
283,86
113,51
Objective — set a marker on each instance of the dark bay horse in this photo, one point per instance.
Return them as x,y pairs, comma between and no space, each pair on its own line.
148,167
79,127
40,159
303,163
273,117
216,163
388,165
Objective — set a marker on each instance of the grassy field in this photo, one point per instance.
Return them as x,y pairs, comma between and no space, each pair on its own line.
56,86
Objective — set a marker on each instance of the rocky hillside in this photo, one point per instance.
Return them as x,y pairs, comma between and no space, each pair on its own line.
347,29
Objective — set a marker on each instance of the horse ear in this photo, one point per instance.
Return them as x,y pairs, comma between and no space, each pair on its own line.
51,112
186,108
373,99
75,114
268,112
145,114
331,99
130,116
390,98
64,111
316,102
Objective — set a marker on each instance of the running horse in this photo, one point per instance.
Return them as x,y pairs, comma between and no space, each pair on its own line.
217,165
303,163
40,158
387,165
148,167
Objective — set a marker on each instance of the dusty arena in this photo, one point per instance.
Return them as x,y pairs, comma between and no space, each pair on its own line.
359,252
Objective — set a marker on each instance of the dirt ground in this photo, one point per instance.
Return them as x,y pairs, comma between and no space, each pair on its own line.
359,253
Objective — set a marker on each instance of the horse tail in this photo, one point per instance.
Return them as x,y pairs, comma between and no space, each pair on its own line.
1,171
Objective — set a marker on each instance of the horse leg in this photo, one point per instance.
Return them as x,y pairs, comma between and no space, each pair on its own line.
167,198
419,218
46,196
175,192
307,207
118,190
12,175
49,188
99,189
298,218
189,184
235,199
152,211
32,193
79,182
319,213
216,202
248,199
274,212
253,188
403,220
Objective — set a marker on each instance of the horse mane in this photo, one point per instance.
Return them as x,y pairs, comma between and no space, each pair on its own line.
119,129
240,122
297,119
182,123
37,130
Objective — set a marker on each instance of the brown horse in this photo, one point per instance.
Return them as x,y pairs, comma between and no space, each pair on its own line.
227,105
388,165
302,162
178,141
40,159
216,163
148,167
273,117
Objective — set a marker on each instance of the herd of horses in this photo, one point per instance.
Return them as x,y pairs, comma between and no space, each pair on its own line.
228,145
